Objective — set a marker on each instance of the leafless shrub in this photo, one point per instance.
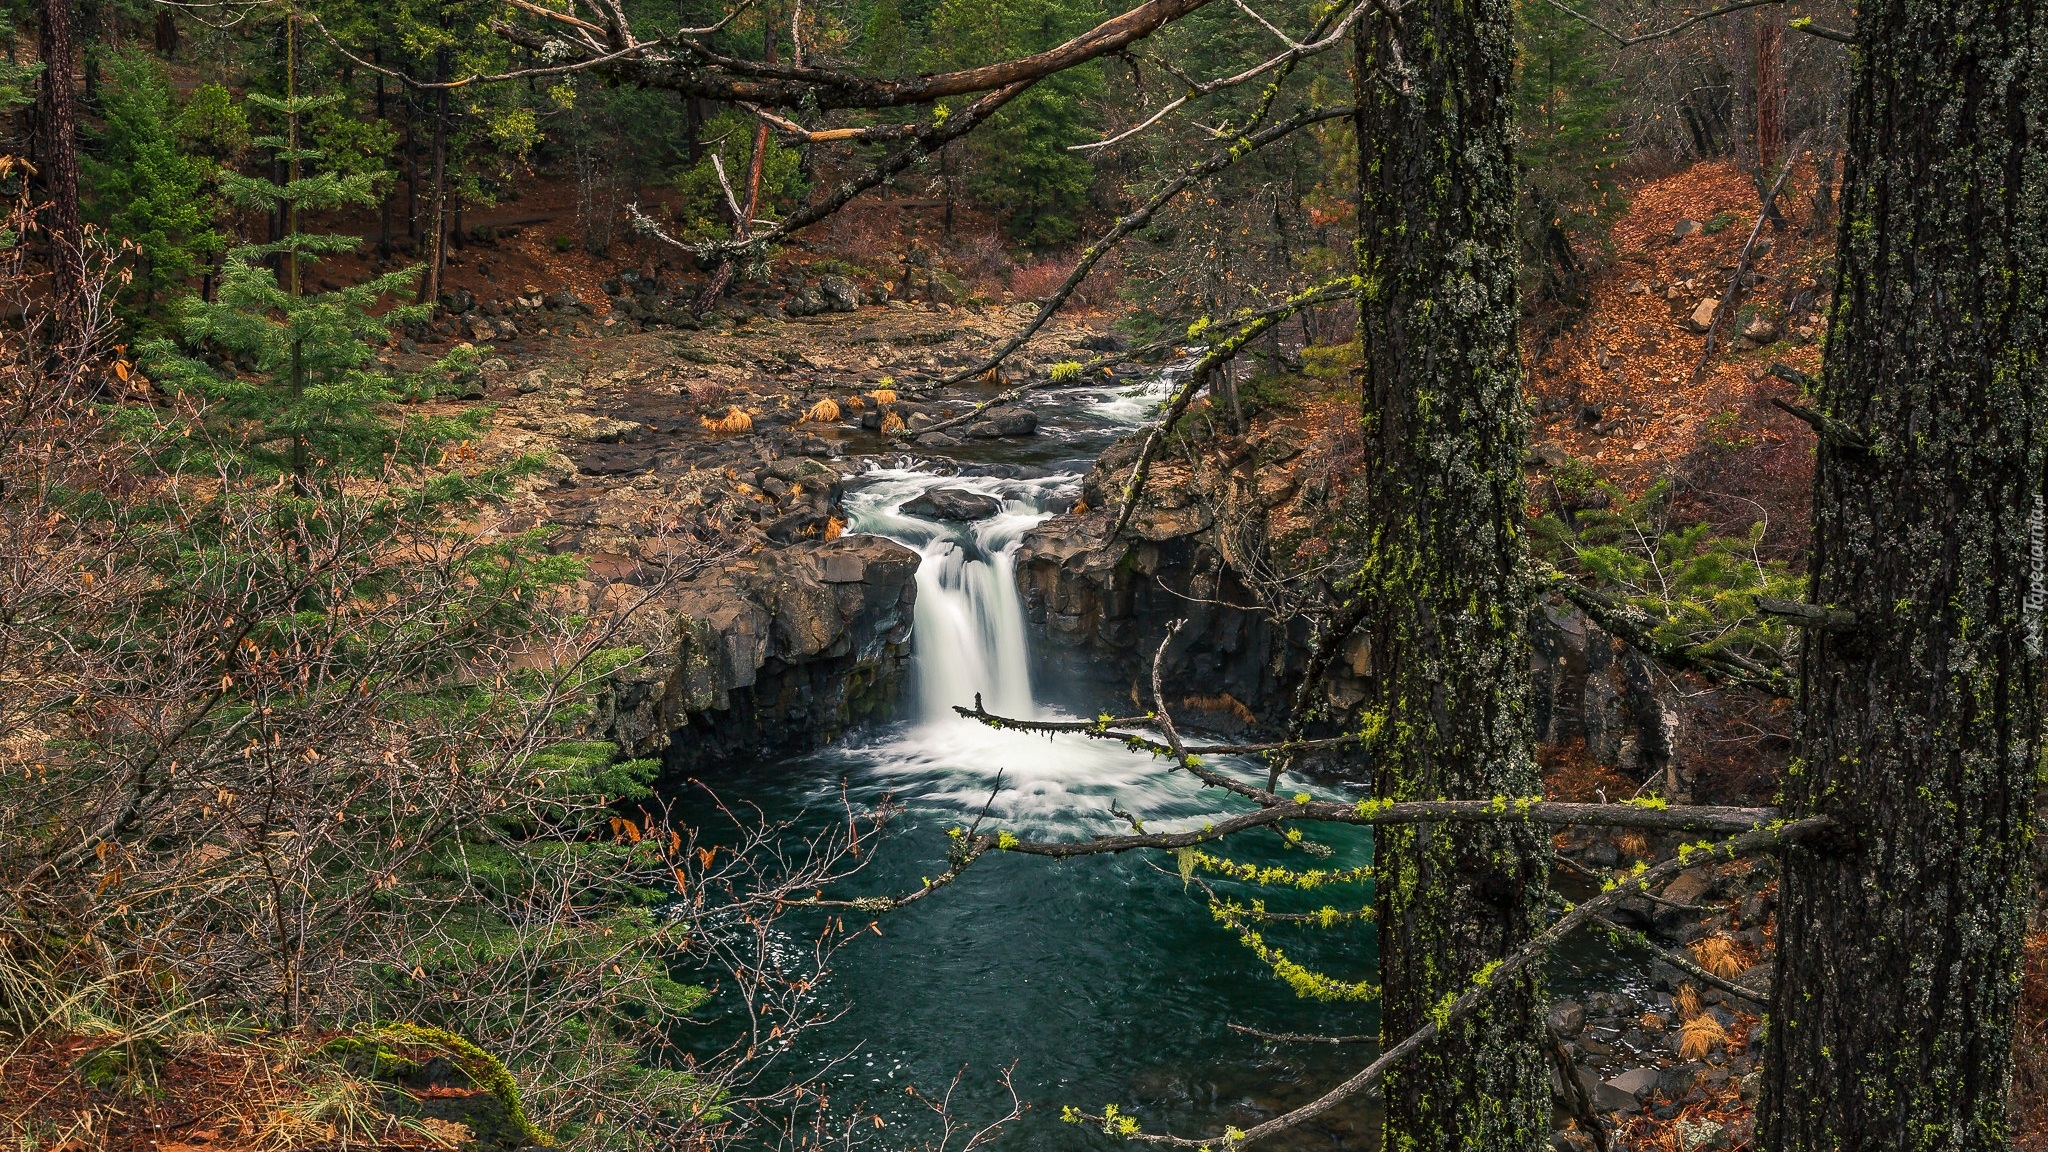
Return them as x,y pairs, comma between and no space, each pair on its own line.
315,756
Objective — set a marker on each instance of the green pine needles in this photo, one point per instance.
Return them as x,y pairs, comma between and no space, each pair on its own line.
290,376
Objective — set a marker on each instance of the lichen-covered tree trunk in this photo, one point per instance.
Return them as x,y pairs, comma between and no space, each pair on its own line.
1445,436
1892,1013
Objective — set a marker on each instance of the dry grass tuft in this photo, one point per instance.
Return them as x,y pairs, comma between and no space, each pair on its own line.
823,412
884,395
892,424
1688,1001
1651,1022
1720,955
1633,843
734,420
853,403
1699,1036
835,528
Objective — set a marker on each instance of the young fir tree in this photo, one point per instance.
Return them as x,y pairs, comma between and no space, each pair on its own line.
296,373
147,189
1445,436
1892,1011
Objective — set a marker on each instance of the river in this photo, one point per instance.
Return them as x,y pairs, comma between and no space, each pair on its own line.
1100,980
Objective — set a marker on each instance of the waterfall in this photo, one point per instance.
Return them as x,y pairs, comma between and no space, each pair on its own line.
968,636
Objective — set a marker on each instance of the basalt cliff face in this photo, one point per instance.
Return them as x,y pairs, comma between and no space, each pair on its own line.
1104,606
1267,504
773,653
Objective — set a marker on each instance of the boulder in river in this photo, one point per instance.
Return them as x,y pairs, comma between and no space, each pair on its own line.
953,504
1003,423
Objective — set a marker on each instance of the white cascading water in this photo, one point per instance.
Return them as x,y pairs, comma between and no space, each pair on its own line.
968,636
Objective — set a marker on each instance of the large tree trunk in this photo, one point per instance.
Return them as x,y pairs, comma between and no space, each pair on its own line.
1445,435
1893,1009
57,116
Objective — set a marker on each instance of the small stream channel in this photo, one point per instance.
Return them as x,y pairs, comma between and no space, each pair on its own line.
1102,980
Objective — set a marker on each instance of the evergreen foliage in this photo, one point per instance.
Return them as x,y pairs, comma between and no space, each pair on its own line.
147,189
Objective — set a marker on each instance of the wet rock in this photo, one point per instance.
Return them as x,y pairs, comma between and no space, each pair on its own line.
806,302
775,653
589,429
1688,887
1003,423
957,504
839,294
1674,1082
1636,1083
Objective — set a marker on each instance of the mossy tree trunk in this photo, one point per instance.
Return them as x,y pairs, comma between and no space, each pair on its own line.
1892,1013
1445,436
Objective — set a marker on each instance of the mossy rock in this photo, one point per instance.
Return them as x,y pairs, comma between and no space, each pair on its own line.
436,1074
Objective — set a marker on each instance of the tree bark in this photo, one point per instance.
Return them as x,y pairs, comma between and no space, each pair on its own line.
1445,437
1894,1004
437,257
57,116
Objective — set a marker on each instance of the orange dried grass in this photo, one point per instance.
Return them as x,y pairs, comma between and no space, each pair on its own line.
734,420
1699,1036
1720,955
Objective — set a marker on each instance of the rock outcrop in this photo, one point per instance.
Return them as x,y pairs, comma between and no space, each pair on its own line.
766,655
1104,606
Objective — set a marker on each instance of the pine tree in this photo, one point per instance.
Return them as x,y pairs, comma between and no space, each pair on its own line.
1892,1011
146,189
296,375
1445,436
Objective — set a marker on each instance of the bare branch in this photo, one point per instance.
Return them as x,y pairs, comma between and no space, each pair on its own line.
1124,227
1500,974
694,69
1727,305
1682,25
1222,352
1805,24
1205,88
1266,24
480,78
1685,964
1299,1037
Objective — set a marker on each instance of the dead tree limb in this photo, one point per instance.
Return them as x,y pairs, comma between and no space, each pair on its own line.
1682,25
1727,305
691,68
1239,149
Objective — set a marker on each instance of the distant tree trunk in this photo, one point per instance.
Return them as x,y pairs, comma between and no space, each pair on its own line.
437,259
1894,1004
1445,435
760,157
57,115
